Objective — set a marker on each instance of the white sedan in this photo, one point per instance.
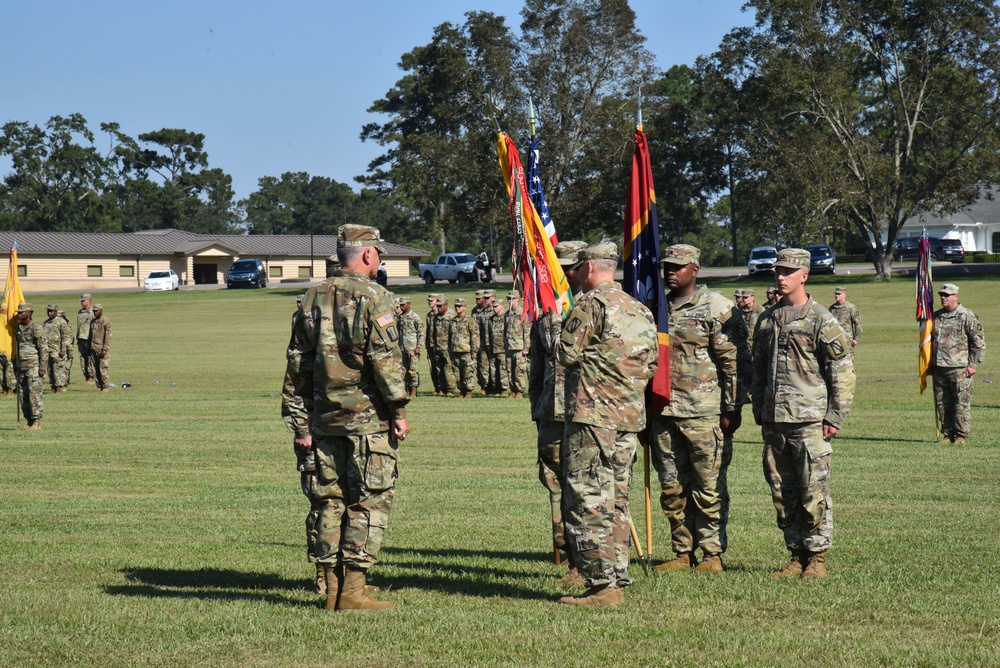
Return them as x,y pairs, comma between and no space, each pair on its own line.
162,280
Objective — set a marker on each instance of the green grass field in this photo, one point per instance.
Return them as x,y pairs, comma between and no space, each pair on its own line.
161,525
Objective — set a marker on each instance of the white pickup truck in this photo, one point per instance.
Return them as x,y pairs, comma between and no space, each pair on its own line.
451,267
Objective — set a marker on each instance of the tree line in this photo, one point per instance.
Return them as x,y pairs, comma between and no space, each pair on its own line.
832,120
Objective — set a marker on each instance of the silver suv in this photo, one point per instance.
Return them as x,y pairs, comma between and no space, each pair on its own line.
762,259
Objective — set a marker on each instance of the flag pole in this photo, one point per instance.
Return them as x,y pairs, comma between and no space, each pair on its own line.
647,494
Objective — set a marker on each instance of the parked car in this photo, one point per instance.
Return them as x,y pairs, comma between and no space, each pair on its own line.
941,249
762,259
161,280
822,259
382,277
247,273
451,267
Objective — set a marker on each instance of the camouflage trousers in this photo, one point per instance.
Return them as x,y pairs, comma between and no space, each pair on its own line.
355,484
463,372
797,468
411,370
597,463
440,362
309,480
483,370
8,379
99,367
953,399
550,474
688,455
517,372
86,363
59,370
498,374
30,385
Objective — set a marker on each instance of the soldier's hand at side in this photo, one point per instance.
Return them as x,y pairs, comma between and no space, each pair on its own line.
829,431
400,428
416,351
41,373
969,372
104,353
62,354
854,342
729,422
303,443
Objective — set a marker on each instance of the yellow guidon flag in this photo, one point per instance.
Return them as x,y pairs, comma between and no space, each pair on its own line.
12,296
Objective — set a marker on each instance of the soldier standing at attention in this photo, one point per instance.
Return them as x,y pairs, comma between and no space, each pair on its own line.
442,358
32,361
738,298
495,348
482,370
429,342
60,340
847,315
803,386
463,346
517,343
959,346
751,312
83,318
687,437
483,359
411,333
547,392
100,347
352,414
772,297
69,354
610,351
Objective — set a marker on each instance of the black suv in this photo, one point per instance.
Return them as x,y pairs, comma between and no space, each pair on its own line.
821,259
941,249
247,273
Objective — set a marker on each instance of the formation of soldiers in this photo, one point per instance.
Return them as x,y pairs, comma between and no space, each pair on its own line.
46,349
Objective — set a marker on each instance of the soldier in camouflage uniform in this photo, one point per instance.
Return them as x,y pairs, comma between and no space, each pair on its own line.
60,339
959,346
517,343
8,378
688,437
495,327
610,351
100,347
463,346
411,333
482,368
32,361
69,354
547,392
440,326
803,386
738,298
847,315
751,313
83,318
332,266
430,342
351,413
772,297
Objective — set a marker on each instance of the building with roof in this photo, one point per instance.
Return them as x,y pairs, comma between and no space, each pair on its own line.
978,226
56,261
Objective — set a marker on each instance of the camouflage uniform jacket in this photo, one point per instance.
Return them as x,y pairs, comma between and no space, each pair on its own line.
546,377
610,350
750,317
705,339
350,367
440,326
482,319
958,339
100,334
59,335
517,332
293,403
83,318
849,317
32,347
495,333
802,366
429,330
411,331
463,335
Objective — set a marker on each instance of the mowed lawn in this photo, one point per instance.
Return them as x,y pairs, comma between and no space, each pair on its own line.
162,525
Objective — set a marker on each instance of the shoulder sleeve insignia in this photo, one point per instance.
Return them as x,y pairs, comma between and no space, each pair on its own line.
573,325
384,320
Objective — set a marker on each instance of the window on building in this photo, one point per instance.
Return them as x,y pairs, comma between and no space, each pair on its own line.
126,270
22,270
275,272
305,272
95,270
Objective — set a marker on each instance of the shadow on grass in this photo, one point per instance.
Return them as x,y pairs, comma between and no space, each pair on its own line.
151,591
504,555
209,584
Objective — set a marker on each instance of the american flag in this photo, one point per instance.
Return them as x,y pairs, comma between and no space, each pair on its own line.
537,194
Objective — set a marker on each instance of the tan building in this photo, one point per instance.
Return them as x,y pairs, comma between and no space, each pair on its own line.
57,261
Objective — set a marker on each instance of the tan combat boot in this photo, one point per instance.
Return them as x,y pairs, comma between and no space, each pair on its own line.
815,566
354,596
681,562
959,440
572,578
334,576
712,563
794,567
35,426
321,579
603,595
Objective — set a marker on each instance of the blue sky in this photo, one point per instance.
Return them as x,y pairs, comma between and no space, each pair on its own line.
274,87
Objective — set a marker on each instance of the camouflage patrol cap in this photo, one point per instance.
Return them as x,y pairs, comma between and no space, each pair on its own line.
359,235
948,289
403,300
513,294
85,295
566,251
489,293
98,307
62,313
772,291
480,294
442,299
432,296
682,254
738,294
748,292
52,307
300,298
793,258
839,291
459,302
25,307
602,251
